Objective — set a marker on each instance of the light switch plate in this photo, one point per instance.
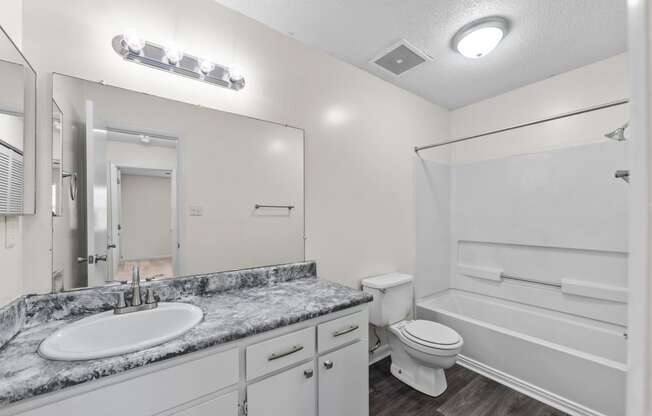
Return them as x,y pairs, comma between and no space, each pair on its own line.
11,231
196,211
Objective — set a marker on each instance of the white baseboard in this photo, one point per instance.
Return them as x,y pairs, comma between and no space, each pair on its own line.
551,399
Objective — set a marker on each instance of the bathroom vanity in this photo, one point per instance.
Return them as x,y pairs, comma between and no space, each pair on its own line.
273,341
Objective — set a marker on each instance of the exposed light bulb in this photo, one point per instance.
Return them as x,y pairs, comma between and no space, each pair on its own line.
235,73
206,66
173,54
134,41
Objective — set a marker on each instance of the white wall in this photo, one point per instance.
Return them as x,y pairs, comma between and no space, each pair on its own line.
11,258
359,129
145,217
593,84
11,20
11,130
137,155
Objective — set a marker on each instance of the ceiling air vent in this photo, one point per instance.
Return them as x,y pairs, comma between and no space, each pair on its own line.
400,57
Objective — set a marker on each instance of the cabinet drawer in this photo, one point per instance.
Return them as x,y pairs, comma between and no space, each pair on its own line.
154,392
340,331
226,405
280,352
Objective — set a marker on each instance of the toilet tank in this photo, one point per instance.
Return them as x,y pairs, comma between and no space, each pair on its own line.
393,297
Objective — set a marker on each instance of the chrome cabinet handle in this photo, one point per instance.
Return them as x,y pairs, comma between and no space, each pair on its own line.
82,260
308,373
345,331
328,364
277,355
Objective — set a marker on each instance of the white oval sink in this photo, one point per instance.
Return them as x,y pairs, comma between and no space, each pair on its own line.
106,334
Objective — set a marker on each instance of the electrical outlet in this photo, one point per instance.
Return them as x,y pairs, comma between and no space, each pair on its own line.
196,211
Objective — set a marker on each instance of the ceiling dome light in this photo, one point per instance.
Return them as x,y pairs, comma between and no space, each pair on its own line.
134,41
173,54
206,66
478,38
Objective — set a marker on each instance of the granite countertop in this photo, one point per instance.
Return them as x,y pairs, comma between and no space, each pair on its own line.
245,306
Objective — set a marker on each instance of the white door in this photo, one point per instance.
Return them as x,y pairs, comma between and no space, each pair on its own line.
290,393
113,248
96,201
344,382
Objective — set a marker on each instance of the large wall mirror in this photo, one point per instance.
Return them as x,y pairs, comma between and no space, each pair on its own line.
170,187
17,130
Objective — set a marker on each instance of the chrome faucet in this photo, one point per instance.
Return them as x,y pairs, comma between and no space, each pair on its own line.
135,286
136,300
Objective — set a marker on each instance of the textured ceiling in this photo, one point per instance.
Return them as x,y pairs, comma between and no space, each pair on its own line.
547,37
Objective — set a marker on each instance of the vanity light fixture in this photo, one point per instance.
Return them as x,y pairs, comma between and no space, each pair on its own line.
480,37
173,54
134,48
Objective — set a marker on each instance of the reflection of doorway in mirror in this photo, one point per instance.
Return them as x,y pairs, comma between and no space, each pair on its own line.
141,227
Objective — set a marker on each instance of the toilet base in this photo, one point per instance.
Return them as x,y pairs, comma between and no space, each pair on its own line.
427,380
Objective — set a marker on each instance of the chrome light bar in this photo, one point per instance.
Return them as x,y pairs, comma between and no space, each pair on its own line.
184,64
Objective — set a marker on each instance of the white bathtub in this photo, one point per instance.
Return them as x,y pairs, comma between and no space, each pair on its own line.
569,362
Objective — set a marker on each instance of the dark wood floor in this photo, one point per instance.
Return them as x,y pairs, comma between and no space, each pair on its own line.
468,394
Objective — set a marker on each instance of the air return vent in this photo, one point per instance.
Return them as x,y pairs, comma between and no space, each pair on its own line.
11,182
399,58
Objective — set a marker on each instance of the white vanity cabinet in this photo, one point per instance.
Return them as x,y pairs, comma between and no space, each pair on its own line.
313,368
290,393
344,382
338,386
226,405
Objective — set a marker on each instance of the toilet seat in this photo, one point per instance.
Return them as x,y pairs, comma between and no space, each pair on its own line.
430,337
429,333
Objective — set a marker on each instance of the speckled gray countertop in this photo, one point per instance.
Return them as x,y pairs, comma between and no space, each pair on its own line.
235,305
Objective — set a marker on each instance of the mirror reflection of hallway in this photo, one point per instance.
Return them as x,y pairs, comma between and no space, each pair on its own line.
144,229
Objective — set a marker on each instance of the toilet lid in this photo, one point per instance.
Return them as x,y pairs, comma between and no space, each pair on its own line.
432,333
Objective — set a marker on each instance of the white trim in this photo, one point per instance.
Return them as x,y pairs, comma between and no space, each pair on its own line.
640,75
542,395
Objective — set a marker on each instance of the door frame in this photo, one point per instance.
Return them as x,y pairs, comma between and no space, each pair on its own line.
174,209
639,307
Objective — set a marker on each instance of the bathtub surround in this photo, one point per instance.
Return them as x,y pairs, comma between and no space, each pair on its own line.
532,223
533,236
235,305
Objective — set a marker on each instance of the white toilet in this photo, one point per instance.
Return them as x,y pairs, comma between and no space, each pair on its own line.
421,350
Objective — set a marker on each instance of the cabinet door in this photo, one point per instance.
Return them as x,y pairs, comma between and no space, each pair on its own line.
290,393
344,382
226,405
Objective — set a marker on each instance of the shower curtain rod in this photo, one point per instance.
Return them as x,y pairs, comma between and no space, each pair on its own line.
417,149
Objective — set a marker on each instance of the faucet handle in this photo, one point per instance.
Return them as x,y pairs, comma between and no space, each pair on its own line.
150,296
121,300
